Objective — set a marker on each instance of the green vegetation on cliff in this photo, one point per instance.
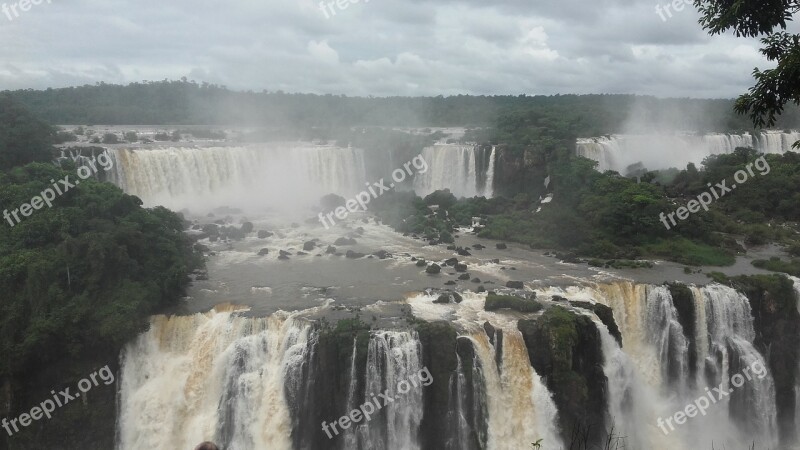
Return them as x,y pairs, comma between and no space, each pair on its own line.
79,280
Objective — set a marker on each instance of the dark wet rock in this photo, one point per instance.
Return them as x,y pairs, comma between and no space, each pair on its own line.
463,252
310,245
478,247
201,276
345,241
331,250
558,298
263,234
201,248
302,253
450,283
382,254
413,258
496,261
464,277
501,246
449,297
433,269
285,253
480,289
515,285
247,227
605,314
360,231
421,263
451,262
451,247
461,267
354,255
476,280
263,252
283,257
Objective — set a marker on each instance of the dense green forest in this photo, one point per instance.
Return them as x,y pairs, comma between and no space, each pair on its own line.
611,217
189,103
79,280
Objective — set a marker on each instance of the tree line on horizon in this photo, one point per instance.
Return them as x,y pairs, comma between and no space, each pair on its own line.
183,102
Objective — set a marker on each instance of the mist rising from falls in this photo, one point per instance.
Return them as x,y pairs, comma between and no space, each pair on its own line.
664,151
274,175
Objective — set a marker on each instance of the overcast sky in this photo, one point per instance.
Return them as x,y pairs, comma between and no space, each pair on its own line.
381,47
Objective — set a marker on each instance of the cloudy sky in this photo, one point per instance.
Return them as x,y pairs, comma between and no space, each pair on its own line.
377,47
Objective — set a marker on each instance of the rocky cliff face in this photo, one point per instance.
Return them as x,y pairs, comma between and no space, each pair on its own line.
565,349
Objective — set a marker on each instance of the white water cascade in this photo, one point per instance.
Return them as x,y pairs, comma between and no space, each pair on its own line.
520,408
649,377
394,357
188,375
463,169
655,152
267,175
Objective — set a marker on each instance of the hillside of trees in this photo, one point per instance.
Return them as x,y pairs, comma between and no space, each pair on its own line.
188,103
79,280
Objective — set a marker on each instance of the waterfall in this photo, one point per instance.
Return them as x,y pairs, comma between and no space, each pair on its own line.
649,376
393,357
269,175
666,335
461,168
520,408
618,152
212,376
731,333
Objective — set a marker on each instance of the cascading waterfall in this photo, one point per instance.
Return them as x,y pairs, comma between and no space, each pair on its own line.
214,376
667,336
393,357
731,332
649,378
520,408
268,175
463,169
236,380
618,152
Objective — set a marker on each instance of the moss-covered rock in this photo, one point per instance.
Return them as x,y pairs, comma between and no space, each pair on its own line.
605,314
495,302
565,349
439,352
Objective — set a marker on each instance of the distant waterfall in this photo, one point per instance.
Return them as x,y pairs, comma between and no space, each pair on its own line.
618,152
467,170
267,175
